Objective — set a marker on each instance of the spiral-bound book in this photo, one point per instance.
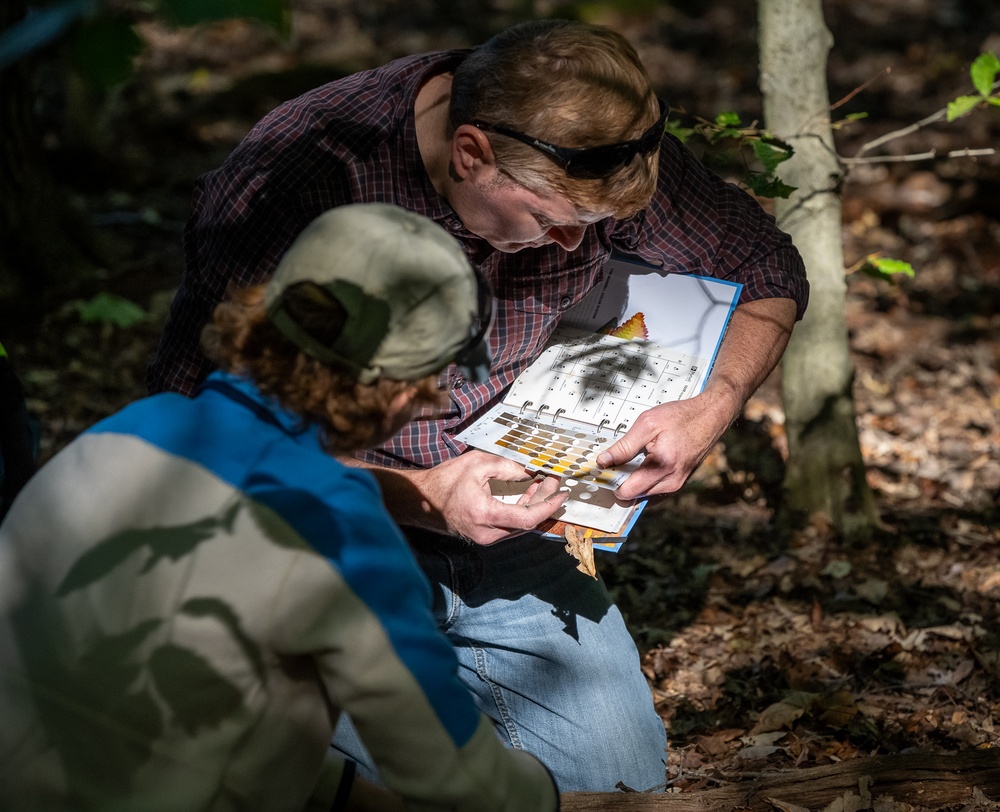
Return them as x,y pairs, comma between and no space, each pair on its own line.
639,339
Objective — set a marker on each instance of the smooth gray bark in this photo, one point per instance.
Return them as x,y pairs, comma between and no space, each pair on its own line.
825,476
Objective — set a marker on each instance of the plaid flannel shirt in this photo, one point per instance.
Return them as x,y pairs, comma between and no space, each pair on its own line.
354,140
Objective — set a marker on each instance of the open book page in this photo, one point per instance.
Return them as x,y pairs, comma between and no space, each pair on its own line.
686,313
639,339
583,392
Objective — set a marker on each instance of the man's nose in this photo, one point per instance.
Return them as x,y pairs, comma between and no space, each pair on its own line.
569,237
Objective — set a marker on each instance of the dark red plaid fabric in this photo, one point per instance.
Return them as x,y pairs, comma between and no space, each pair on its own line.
354,140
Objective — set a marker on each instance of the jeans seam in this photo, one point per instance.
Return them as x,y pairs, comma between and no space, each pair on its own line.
497,693
452,613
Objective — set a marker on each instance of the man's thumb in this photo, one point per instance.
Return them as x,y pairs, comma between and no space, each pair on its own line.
618,453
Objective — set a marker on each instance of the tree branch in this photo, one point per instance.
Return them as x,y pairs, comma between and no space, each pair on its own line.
920,156
927,781
891,136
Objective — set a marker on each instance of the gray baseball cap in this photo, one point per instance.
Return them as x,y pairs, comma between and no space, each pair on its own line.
412,300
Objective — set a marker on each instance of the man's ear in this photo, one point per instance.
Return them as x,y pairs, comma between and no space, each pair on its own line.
470,152
402,399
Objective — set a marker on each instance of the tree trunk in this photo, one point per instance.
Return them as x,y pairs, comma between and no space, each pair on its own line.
825,476
921,781
42,240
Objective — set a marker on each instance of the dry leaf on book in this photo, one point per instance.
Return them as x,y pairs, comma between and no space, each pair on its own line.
581,547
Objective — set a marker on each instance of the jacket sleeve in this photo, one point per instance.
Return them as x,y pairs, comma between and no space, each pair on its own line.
362,608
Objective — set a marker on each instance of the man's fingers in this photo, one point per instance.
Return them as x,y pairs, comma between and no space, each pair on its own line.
494,467
537,512
621,451
542,488
649,479
524,515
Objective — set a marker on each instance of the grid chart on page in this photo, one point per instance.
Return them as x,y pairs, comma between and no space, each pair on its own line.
604,381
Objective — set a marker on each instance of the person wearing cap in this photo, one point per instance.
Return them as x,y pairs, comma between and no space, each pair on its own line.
193,590
543,151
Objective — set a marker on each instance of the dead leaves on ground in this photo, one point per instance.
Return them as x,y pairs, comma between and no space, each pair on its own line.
816,653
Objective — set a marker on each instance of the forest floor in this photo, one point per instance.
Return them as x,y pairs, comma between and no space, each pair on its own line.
761,652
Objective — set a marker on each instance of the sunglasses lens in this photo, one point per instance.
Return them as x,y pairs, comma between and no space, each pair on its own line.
590,162
599,162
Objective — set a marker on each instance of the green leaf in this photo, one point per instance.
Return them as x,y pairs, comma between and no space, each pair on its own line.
103,50
994,100
836,709
984,70
886,268
683,134
197,694
962,105
275,13
855,116
107,308
769,155
888,265
764,185
727,120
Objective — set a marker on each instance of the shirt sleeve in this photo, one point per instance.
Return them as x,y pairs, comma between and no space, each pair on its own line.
245,215
697,223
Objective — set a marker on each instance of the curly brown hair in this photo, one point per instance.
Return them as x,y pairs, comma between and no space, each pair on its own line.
351,415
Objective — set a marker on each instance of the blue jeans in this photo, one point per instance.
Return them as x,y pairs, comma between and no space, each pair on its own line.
547,657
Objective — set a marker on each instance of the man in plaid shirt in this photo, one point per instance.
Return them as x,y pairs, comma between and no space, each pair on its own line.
542,151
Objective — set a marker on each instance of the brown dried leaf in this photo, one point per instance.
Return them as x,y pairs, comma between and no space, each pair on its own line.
582,549
836,709
784,713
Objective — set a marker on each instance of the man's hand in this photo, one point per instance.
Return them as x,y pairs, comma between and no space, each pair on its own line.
676,438
455,498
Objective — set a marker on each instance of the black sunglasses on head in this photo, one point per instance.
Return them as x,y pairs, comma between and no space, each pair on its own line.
590,162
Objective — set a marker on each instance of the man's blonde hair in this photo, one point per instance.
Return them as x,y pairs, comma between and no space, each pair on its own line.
573,85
